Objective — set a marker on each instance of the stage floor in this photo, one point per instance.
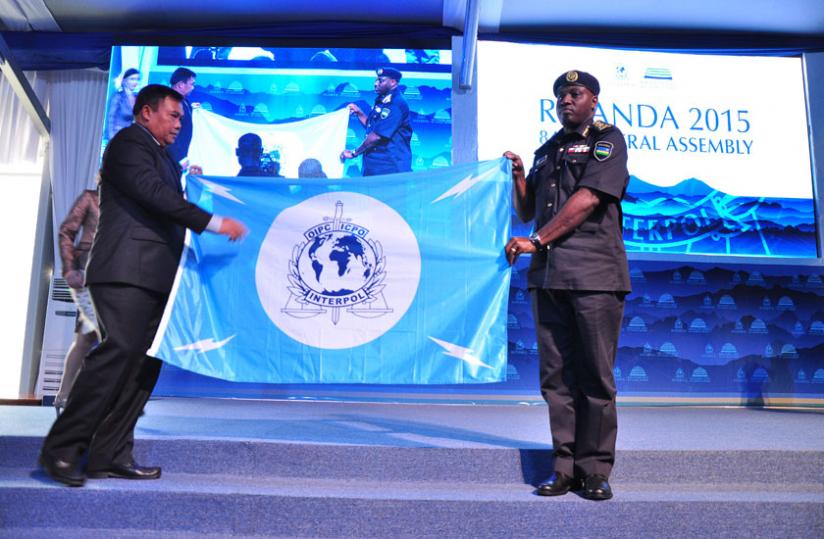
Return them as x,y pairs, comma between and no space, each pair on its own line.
453,426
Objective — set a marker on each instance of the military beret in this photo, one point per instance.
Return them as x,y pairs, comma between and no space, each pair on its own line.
576,78
389,72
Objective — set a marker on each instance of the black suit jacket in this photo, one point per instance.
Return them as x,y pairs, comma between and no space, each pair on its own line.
143,214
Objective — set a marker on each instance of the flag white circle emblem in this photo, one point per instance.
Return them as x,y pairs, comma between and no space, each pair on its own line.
337,270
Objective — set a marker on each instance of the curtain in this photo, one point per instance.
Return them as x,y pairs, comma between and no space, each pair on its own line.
77,100
19,138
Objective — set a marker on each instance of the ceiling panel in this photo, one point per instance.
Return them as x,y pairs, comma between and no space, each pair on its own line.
128,15
770,16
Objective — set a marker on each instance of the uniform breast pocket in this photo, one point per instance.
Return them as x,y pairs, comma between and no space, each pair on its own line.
539,164
576,159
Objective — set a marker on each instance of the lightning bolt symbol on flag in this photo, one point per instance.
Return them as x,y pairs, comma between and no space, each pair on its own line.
205,345
219,190
464,185
464,354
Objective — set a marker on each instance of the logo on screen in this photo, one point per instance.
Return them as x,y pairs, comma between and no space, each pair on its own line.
692,217
338,270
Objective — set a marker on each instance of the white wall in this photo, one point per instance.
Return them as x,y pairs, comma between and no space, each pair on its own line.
19,202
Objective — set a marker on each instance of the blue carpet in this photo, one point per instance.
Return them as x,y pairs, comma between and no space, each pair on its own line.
298,469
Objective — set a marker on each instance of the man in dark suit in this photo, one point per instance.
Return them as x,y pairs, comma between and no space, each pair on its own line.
133,261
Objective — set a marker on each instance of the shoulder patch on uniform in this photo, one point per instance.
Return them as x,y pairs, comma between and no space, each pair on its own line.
602,150
601,126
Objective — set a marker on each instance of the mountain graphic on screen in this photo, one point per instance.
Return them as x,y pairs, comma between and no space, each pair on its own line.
692,217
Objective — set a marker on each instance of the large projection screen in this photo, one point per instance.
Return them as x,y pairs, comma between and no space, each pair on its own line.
284,95
719,155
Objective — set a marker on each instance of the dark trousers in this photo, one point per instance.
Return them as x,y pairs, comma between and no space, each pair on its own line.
577,335
114,382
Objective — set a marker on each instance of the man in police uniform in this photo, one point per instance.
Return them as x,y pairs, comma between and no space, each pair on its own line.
578,278
386,148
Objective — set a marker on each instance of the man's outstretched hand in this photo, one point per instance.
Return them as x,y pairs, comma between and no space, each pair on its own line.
232,228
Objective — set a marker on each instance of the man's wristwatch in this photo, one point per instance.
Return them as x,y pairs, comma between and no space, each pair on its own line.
536,242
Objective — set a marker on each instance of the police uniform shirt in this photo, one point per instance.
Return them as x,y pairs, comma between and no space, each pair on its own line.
389,119
591,257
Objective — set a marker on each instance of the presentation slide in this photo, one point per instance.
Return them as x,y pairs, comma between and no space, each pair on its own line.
293,99
719,155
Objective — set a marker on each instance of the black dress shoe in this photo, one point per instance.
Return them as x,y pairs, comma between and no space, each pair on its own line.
596,487
122,471
558,484
62,471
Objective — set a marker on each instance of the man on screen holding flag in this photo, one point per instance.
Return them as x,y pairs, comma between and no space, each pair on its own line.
386,148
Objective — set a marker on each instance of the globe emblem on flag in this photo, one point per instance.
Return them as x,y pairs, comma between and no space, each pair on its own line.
337,264
338,267
338,270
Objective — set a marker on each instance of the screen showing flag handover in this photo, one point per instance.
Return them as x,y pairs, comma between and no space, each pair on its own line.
265,91
395,279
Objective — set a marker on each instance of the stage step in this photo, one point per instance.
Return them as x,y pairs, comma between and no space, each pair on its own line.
276,489
260,458
272,506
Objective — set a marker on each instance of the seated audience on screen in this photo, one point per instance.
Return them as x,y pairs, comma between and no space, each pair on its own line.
311,168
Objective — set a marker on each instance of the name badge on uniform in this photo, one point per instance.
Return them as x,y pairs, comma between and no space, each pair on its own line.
602,150
579,148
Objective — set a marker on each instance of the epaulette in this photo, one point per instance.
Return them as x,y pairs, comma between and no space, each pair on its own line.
601,126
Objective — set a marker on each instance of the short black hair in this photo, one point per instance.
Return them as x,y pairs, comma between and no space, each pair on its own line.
249,144
182,74
152,95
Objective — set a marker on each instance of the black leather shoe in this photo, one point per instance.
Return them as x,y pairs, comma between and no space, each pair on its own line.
596,487
558,484
62,471
131,471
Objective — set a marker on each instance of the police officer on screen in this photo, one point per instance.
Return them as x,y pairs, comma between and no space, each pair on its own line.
578,278
386,148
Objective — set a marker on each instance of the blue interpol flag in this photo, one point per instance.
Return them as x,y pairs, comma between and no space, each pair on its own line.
397,279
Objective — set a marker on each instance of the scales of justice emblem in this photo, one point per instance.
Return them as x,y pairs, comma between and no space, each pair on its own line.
337,267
